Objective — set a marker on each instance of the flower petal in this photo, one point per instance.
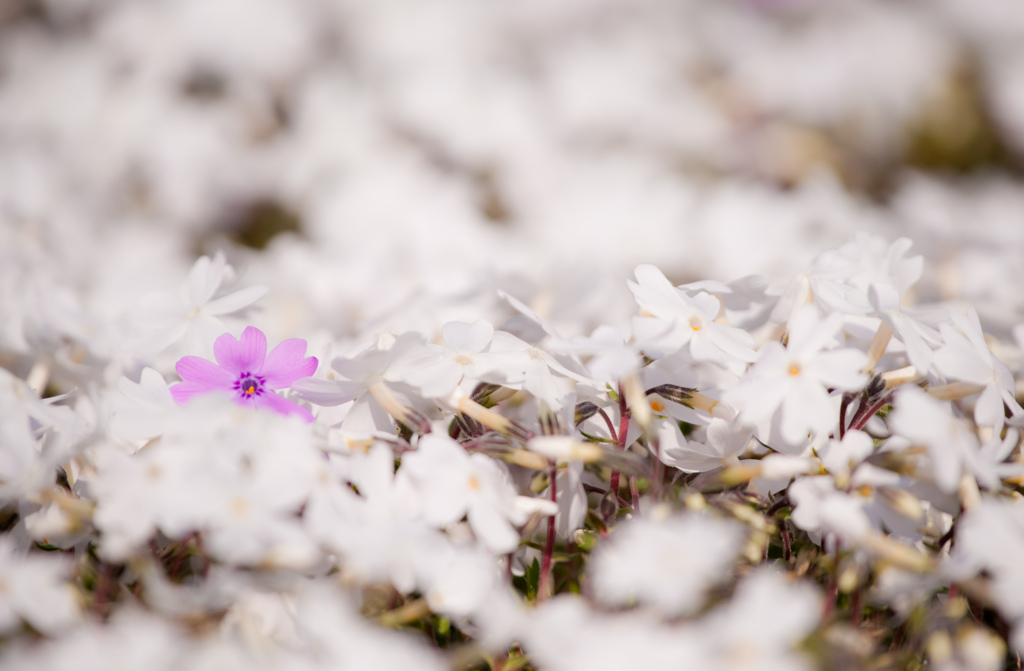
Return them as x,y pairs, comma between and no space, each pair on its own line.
468,338
282,406
241,356
234,302
183,392
491,527
287,363
327,392
203,372
205,278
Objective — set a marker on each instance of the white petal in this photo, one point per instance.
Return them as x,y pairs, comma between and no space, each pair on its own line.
468,338
235,301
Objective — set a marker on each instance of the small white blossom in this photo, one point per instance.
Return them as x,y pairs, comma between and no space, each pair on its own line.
163,319
655,562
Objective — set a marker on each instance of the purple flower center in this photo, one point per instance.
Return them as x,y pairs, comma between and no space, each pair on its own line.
248,385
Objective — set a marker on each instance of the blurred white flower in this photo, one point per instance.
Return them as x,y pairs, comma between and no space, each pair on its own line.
34,589
669,565
763,624
952,446
162,318
965,356
819,507
145,409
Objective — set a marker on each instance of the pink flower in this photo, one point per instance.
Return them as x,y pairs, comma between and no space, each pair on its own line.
247,372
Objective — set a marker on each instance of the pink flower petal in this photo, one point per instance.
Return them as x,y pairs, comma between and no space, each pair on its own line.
287,363
184,391
203,372
282,406
241,356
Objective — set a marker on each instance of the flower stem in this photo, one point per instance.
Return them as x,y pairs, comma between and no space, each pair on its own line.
410,612
611,427
620,438
866,413
544,586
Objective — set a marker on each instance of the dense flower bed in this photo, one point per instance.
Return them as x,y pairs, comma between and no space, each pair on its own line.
597,334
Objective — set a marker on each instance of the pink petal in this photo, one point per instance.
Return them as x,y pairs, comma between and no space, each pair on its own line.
244,356
184,391
282,406
285,364
203,372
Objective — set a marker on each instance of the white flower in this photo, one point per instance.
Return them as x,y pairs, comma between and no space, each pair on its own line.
952,446
820,507
132,639
965,356
35,436
841,457
789,385
343,639
566,634
374,381
990,538
723,442
145,409
163,319
669,565
746,302
34,589
762,624
456,580
454,484
917,337
676,320
611,358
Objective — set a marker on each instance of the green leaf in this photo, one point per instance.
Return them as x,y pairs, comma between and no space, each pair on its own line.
528,583
598,439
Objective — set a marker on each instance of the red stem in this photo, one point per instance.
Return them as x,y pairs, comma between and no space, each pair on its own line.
620,438
549,543
842,415
861,418
611,427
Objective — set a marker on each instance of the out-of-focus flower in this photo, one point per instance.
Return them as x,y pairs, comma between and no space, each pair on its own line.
952,447
33,589
163,318
655,562
917,337
145,409
762,625
820,507
966,357
246,372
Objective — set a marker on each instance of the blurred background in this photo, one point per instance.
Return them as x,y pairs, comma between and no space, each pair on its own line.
380,163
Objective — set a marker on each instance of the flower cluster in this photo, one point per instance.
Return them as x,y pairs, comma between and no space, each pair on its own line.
552,500
533,336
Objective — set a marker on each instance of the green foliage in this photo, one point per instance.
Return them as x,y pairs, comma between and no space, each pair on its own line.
528,583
